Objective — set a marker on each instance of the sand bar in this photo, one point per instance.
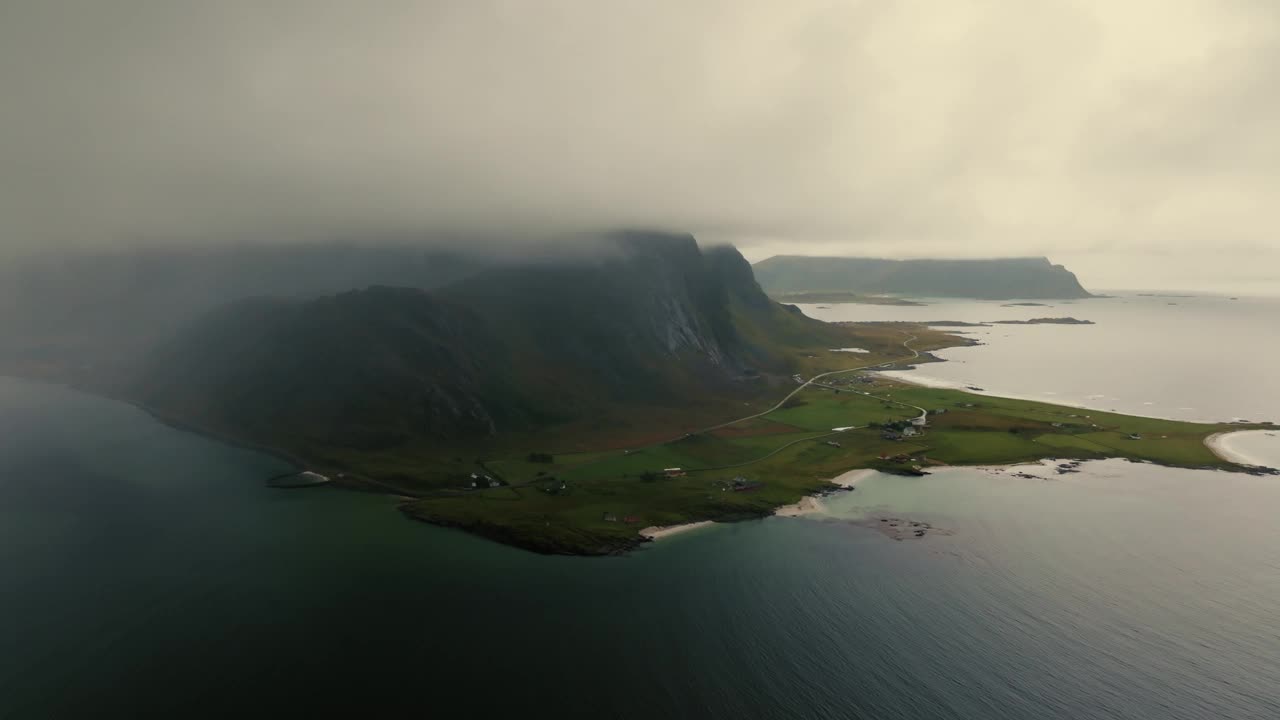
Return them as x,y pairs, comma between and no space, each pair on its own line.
657,532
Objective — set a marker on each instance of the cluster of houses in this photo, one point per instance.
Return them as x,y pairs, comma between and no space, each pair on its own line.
484,480
742,484
857,379
903,429
555,487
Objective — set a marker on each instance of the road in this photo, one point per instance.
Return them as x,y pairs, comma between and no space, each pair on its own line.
811,381
807,383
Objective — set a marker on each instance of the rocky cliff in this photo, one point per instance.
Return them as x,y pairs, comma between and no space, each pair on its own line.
651,320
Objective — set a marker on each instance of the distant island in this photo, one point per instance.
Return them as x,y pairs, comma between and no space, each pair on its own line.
994,279
1044,321
806,298
989,323
577,405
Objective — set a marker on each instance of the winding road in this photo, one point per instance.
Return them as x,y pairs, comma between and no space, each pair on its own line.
811,381
807,383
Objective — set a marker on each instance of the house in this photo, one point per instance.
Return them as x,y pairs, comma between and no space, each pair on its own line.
909,431
673,472
610,517
743,484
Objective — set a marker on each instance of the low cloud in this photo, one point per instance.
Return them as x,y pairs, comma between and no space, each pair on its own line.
1088,131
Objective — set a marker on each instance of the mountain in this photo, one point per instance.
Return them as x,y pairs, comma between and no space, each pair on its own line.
994,279
653,326
109,306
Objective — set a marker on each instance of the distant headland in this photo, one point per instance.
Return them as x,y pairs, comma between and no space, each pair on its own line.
989,279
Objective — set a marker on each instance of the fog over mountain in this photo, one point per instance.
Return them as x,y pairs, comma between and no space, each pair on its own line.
1133,142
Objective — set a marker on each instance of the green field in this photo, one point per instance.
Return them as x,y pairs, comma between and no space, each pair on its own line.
822,409
590,486
588,503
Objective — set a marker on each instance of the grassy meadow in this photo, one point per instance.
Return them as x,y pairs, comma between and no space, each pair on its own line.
595,502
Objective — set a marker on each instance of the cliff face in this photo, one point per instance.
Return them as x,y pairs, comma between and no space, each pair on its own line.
650,321
996,279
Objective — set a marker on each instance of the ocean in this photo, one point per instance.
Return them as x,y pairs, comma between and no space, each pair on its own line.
146,571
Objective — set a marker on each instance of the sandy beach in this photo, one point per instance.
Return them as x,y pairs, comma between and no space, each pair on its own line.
810,505
1220,444
657,532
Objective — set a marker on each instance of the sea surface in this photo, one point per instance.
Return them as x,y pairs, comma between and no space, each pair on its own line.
1184,357
149,572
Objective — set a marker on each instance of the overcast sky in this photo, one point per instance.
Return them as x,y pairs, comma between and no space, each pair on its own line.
1134,140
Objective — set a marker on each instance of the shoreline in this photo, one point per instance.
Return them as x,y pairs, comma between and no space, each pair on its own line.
812,504
937,383
1218,444
657,532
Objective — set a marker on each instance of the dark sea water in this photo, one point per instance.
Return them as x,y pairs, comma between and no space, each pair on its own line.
149,572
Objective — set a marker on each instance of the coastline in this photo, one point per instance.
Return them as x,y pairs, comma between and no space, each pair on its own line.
812,504
1219,444
960,386
657,532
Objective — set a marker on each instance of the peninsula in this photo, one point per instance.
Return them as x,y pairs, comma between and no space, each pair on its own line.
566,405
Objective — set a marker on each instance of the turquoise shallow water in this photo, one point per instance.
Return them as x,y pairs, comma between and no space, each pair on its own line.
145,571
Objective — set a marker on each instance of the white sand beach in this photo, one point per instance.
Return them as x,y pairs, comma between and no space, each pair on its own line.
657,532
1226,445
810,505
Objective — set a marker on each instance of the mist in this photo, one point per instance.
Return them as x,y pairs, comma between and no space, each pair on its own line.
1132,141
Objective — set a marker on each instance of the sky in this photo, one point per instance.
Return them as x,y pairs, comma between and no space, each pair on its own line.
1133,141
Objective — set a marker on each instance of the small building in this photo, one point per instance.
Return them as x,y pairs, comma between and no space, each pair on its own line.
909,431
673,472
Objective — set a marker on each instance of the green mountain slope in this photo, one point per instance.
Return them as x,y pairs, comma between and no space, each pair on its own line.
652,325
